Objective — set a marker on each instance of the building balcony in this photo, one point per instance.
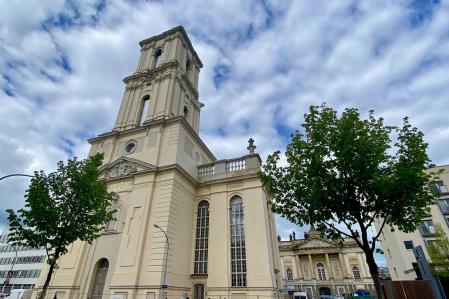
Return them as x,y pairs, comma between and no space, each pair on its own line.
229,168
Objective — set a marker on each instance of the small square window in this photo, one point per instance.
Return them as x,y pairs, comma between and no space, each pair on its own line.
408,245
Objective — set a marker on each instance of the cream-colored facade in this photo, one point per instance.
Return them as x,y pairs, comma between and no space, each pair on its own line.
397,246
220,232
321,267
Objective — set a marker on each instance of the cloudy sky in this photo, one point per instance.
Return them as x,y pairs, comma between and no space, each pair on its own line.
265,63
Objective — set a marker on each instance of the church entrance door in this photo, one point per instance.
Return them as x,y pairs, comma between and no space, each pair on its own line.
198,291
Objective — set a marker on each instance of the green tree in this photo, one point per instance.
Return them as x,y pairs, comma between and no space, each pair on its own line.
64,206
439,252
343,173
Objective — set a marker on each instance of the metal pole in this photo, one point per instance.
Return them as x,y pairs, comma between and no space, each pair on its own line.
15,247
16,174
164,286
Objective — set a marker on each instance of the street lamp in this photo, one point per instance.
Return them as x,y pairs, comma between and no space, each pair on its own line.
12,267
164,286
16,174
15,247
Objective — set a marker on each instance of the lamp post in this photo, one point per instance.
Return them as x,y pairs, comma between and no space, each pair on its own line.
16,174
15,247
164,286
12,267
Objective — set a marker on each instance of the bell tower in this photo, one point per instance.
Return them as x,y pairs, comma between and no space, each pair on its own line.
186,224
165,83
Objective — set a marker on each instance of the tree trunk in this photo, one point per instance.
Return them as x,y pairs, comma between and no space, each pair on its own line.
50,273
374,271
47,281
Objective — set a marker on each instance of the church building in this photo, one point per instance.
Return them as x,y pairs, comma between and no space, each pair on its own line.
188,225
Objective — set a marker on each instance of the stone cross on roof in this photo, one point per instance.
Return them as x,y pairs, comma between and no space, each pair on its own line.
251,147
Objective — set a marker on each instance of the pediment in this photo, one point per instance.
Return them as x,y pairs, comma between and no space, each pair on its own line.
317,243
124,166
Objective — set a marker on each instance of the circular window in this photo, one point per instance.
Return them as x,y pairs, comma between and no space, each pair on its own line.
130,146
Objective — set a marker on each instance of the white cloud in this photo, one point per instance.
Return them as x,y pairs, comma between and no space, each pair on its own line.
276,58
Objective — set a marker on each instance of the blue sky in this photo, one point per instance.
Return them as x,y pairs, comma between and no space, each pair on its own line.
265,63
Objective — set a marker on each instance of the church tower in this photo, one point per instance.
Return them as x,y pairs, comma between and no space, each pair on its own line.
187,225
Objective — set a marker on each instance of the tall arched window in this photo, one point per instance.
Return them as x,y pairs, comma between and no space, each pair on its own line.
238,252
356,273
99,279
144,110
321,271
157,58
289,274
202,237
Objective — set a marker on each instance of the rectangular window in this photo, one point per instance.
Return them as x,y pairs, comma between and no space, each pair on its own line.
441,187
444,205
112,224
427,228
408,245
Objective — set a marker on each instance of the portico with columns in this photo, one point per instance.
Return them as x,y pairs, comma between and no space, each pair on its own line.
322,267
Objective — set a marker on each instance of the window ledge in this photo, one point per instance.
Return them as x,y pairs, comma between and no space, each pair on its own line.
198,275
110,232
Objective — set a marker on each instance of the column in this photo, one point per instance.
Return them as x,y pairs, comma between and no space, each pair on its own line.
348,267
365,273
329,266
344,271
299,274
312,269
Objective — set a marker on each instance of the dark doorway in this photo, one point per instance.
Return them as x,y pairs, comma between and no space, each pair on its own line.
198,291
325,291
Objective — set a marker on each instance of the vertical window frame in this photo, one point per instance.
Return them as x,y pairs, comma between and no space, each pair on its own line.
144,108
321,271
201,238
238,243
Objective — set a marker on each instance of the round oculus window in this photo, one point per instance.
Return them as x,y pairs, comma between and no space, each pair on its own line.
130,147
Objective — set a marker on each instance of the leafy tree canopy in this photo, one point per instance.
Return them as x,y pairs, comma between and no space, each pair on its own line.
343,173
64,206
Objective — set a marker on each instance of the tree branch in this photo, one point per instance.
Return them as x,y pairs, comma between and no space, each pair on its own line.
378,234
333,227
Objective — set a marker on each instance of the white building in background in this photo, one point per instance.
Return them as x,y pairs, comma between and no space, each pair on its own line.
319,266
20,266
398,246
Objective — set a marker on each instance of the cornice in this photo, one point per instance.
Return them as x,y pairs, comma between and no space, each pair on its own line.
229,179
164,35
165,70
152,123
